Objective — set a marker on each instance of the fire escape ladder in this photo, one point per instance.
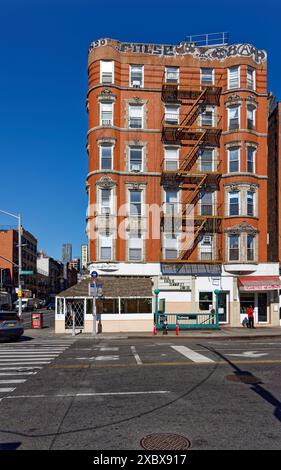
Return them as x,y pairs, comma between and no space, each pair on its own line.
187,249
190,158
192,112
196,191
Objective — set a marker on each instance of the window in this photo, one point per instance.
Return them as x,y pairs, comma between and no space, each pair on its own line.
107,71
135,203
136,158
106,157
172,74
250,248
233,200
251,78
233,243
233,159
250,203
251,116
207,118
136,76
205,300
206,204
105,201
233,117
135,247
206,160
206,248
207,76
106,116
105,306
172,114
250,159
171,158
135,117
133,305
106,248
171,201
233,77
171,246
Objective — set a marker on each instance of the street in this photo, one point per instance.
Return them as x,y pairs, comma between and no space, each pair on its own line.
84,393
48,318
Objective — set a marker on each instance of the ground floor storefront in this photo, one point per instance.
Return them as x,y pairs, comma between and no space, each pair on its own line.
127,301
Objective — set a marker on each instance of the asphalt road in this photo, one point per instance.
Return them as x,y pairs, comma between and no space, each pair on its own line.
48,318
106,394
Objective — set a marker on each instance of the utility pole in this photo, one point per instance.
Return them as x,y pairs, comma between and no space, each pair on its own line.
20,266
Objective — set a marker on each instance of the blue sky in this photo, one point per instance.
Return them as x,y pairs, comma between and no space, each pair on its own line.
43,78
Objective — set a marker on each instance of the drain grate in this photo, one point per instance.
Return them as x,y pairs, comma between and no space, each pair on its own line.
244,377
162,441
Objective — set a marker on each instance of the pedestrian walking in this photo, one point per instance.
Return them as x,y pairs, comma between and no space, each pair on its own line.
250,313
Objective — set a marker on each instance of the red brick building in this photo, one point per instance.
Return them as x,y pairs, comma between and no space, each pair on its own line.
182,128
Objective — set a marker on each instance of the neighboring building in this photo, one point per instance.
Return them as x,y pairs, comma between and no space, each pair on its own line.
84,257
182,128
9,250
49,276
75,263
274,177
66,253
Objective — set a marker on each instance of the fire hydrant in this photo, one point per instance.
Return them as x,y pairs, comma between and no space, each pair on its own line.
154,330
177,329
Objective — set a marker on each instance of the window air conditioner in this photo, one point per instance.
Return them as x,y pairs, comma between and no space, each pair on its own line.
105,210
136,83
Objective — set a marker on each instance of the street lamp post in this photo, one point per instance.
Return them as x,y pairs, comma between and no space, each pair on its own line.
20,258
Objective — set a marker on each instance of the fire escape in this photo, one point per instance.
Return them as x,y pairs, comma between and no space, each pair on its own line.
194,180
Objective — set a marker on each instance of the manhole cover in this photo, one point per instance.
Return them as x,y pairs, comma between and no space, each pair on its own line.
165,442
246,378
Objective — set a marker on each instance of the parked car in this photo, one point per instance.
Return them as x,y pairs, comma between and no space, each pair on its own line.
51,305
11,325
27,304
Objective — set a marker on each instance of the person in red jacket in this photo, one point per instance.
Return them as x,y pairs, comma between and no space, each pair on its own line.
250,313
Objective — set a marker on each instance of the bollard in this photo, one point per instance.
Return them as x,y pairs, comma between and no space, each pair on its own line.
165,327
154,330
177,330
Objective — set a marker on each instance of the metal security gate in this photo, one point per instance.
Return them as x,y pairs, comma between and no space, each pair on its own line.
74,314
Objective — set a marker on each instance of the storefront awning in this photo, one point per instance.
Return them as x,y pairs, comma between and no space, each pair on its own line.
258,283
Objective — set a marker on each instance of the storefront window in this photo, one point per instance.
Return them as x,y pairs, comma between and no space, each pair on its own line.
245,301
105,306
205,300
136,305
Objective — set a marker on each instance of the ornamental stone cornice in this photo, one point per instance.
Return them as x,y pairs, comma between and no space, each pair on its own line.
241,228
105,182
233,100
106,95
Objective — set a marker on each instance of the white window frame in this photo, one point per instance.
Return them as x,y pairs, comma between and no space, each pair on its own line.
201,76
141,203
254,237
173,159
239,203
212,193
253,78
131,106
102,208
254,158
239,248
135,242
102,103
177,107
174,204
137,147
228,77
254,110
207,149
141,85
239,158
171,243
100,148
102,71
203,244
177,73
228,117
254,203
109,244
210,110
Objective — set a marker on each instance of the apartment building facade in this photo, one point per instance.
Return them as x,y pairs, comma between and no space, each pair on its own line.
178,178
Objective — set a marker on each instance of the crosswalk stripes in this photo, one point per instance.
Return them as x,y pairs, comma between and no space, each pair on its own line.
192,355
19,361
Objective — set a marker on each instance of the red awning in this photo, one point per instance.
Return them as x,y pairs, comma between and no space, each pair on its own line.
258,283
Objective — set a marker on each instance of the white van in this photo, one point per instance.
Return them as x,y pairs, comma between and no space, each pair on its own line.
27,304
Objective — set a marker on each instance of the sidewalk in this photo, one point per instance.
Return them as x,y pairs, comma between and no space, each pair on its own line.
222,333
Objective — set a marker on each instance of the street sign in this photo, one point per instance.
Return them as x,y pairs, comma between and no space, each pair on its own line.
94,274
27,273
19,293
95,290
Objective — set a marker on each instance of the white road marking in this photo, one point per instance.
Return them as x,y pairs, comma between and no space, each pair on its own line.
12,381
94,394
136,356
248,354
18,373
190,354
108,349
23,362
5,390
107,358
21,368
